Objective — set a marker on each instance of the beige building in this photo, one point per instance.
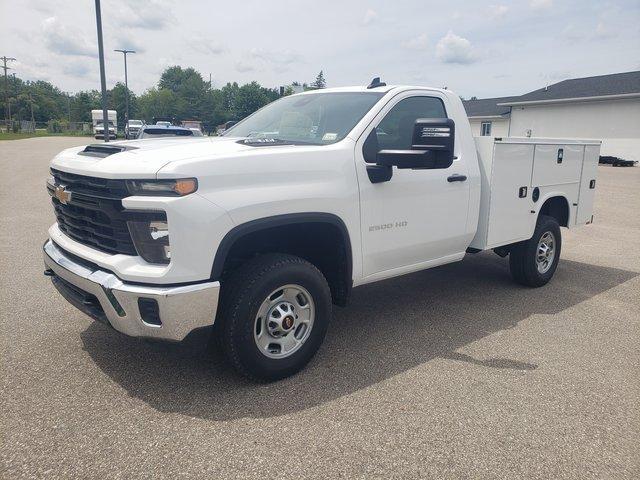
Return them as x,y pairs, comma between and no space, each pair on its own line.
605,107
487,117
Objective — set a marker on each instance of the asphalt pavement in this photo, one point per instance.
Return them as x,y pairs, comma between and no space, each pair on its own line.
454,372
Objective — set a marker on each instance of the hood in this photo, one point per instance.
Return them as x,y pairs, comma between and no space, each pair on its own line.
143,158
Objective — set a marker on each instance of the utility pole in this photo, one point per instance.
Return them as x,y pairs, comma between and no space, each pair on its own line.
103,79
6,59
69,109
33,121
126,86
14,82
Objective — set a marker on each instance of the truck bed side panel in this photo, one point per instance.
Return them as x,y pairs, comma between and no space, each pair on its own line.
509,215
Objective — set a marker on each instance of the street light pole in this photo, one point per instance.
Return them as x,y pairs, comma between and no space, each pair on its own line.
126,87
103,80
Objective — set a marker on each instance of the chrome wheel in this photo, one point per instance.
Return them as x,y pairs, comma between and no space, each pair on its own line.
284,321
546,252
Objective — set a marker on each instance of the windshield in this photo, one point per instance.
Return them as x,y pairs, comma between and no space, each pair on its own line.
101,122
164,132
318,119
135,123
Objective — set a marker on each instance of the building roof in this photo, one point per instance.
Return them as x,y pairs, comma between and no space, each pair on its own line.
576,88
487,107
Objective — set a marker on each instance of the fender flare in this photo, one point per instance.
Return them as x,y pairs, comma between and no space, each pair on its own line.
252,226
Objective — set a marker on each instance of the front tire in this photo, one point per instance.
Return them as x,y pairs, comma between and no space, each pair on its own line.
533,262
274,315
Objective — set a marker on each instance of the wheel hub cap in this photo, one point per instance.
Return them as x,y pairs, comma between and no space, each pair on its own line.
284,321
545,252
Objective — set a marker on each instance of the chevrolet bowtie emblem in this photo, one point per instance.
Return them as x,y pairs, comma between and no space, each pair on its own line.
62,194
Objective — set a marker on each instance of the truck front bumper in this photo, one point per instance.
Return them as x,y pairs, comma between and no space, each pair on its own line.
151,311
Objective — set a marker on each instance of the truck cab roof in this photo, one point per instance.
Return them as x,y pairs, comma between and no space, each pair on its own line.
361,88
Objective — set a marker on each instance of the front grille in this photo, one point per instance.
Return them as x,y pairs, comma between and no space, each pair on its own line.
94,215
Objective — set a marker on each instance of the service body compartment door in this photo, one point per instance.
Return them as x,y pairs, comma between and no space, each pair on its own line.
588,184
510,215
557,164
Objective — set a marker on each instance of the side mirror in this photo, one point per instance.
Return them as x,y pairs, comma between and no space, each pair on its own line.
432,146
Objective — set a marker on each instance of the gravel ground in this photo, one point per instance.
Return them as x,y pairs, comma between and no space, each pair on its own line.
454,372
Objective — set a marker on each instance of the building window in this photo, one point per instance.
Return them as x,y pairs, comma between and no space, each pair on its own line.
485,129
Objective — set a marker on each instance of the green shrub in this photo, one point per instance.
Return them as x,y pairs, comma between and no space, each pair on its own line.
54,126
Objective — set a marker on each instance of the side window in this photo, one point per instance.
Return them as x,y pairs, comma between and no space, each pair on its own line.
396,129
485,129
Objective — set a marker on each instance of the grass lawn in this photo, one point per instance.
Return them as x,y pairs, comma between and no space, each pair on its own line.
37,133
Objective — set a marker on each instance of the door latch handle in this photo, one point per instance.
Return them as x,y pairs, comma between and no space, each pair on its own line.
456,178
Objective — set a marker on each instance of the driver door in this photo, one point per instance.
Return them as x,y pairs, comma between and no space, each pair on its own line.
418,217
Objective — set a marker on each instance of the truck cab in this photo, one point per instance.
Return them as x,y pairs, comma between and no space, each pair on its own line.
255,234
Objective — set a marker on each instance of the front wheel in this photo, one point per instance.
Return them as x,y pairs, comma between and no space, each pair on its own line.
274,315
533,262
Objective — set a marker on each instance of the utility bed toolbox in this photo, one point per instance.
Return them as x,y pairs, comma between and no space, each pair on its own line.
519,175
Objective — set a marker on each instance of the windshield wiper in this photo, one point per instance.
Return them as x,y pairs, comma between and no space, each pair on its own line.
264,142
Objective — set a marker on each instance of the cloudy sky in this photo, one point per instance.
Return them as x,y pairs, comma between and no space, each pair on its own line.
483,48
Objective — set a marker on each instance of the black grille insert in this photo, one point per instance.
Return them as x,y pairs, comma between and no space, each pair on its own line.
94,214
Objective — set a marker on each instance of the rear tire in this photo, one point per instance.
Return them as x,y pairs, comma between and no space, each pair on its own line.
274,315
533,262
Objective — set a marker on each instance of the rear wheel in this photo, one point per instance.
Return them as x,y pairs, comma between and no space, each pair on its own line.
274,315
533,262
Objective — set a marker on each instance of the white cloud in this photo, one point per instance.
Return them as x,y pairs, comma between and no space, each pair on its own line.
32,68
280,60
417,43
572,32
244,67
603,32
142,14
540,4
369,17
201,43
65,41
455,49
498,11
78,68
127,41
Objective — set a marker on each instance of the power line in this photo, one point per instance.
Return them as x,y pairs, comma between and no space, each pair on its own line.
7,118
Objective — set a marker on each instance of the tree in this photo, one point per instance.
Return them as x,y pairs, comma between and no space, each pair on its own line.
82,103
181,93
118,101
249,98
320,81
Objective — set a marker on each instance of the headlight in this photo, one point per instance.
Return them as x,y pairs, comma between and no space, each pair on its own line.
151,239
172,188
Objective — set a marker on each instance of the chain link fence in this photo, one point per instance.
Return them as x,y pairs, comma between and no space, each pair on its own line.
60,127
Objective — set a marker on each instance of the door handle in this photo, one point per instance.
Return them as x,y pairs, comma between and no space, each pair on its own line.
456,178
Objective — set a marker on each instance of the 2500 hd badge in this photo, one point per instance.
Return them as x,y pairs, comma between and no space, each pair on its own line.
387,226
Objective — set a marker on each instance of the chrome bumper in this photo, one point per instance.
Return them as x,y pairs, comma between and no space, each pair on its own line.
167,313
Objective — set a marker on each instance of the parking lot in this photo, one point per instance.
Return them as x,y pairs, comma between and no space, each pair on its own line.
454,372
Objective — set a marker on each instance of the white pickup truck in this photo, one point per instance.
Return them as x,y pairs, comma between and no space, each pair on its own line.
258,232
